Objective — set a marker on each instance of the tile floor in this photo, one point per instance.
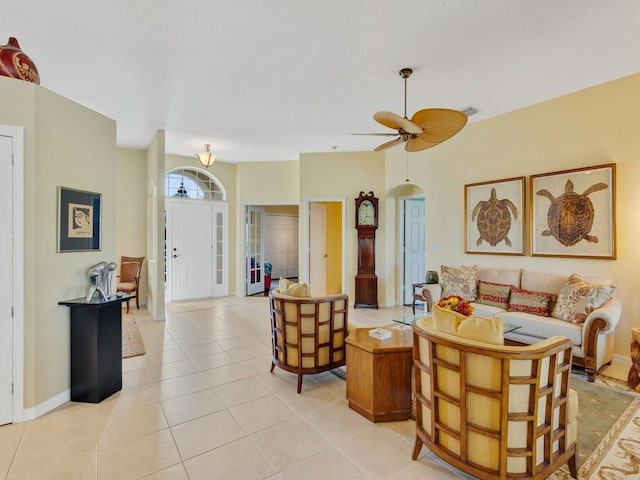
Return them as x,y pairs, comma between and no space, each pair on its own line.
201,404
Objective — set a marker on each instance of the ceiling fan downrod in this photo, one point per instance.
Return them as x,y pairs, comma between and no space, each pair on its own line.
405,73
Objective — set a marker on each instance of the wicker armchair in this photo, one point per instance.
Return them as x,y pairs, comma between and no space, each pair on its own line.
308,334
495,411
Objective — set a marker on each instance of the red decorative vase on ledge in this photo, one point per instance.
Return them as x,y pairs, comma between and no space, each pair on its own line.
15,63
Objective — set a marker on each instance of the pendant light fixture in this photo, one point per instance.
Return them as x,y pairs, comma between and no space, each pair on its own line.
207,157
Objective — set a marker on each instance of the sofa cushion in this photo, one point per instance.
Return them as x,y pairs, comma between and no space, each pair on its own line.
496,294
578,298
496,275
527,301
461,281
541,327
542,282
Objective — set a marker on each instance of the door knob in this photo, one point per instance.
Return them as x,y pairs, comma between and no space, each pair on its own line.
175,256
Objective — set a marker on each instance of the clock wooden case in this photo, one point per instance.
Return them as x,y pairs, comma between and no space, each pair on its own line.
366,291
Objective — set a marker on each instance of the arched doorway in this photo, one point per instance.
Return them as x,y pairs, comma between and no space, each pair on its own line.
196,235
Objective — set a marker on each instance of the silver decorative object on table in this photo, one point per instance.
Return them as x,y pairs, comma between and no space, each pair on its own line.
101,279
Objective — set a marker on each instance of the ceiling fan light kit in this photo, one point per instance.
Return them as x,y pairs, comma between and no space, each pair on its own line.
427,128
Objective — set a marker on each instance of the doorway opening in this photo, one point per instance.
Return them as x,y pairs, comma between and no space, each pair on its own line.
324,239
271,246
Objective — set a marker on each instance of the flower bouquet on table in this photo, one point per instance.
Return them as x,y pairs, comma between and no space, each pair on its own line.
449,312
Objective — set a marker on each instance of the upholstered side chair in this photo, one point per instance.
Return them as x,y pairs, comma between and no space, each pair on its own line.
495,411
129,278
308,334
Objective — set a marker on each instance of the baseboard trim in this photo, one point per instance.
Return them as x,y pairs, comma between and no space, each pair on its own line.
621,360
46,406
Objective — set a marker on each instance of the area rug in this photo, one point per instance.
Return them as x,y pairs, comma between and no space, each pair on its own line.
608,428
132,344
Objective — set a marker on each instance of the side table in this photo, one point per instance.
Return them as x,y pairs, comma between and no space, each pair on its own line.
96,348
379,374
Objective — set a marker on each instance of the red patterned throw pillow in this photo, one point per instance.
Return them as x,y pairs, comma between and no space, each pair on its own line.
527,301
494,294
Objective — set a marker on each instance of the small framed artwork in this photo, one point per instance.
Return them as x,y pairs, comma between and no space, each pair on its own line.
494,217
78,220
573,213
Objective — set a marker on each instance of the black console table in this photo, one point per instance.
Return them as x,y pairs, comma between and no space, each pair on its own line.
96,348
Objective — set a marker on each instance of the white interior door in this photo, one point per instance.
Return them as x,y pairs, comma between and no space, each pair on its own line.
318,248
6,284
255,250
414,238
190,249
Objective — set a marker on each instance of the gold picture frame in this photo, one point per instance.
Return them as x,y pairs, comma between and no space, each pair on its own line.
494,217
573,213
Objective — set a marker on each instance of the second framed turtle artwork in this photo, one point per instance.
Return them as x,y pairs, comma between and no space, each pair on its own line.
494,214
573,213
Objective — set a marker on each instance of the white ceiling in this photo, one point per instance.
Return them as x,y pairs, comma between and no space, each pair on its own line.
269,79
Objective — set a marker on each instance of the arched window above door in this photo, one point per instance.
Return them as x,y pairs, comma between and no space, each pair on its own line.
188,182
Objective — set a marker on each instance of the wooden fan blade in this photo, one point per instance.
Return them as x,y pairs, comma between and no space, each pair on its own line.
390,144
439,124
391,120
417,144
377,134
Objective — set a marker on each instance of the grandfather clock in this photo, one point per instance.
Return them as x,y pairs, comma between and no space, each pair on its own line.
366,223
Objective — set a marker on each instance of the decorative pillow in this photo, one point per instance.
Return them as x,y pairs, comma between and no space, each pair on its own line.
495,294
530,302
300,290
487,330
461,281
578,298
447,321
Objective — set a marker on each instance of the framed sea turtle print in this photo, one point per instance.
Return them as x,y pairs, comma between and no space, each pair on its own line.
494,217
573,213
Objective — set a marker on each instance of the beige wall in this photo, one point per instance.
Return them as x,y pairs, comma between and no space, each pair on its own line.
67,145
591,127
131,202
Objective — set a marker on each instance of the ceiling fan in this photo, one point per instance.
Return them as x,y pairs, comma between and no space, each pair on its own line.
427,128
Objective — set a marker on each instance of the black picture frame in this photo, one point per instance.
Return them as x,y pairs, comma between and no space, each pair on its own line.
79,219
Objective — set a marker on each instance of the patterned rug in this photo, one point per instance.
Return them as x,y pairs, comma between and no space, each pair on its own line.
132,344
608,431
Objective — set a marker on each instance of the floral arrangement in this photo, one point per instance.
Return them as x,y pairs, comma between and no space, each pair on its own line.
455,303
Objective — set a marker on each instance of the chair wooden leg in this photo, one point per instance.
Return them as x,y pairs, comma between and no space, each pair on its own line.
416,448
573,466
299,382
127,306
137,302
273,365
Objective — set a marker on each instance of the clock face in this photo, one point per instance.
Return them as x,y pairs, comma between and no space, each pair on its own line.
366,214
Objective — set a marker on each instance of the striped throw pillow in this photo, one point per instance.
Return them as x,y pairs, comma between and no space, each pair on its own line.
527,301
495,294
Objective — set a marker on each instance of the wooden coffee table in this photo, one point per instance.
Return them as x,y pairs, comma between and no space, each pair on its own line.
379,374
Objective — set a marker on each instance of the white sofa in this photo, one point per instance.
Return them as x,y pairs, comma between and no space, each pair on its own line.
592,340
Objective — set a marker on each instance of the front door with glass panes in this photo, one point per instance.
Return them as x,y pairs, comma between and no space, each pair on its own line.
197,248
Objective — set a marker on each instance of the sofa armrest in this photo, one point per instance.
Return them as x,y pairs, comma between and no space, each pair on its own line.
431,293
610,312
